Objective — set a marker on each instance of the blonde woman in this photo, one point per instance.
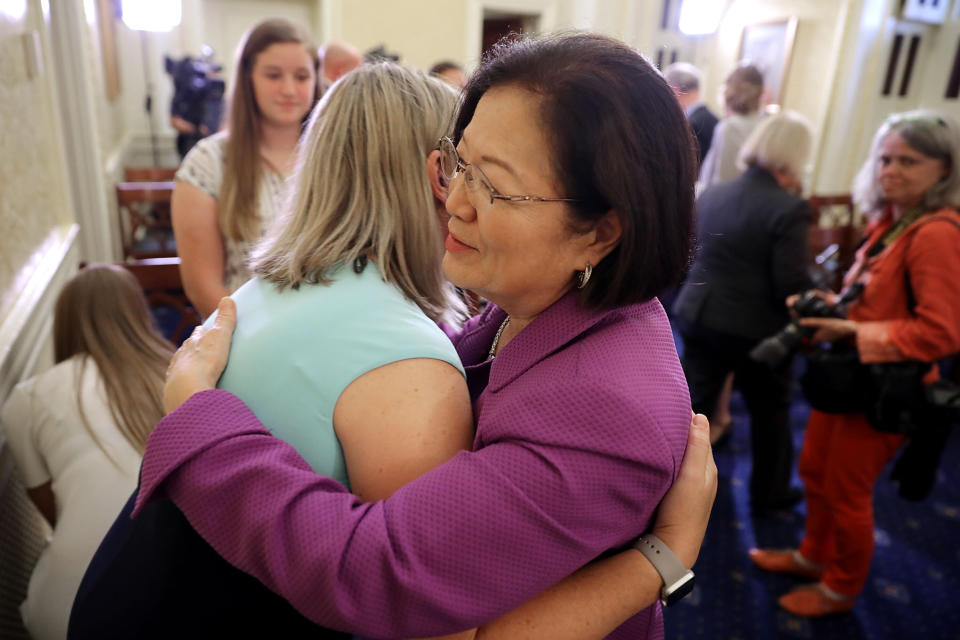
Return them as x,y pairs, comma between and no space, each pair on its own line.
232,184
339,324
77,432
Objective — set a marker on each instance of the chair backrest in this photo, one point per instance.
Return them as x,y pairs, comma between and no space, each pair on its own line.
833,211
145,226
160,280
835,224
148,174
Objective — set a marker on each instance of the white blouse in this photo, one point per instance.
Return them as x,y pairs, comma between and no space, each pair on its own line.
203,168
49,443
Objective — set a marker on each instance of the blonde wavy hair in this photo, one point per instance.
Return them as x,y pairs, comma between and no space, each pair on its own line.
101,314
243,171
361,189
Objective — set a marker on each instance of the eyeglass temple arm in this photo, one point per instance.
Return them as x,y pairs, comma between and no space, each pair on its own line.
529,198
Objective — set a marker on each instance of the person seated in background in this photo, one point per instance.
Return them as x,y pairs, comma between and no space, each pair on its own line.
742,91
685,80
233,184
337,59
450,72
77,431
908,309
752,254
581,402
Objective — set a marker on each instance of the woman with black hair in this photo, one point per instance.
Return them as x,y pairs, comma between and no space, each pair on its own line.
568,214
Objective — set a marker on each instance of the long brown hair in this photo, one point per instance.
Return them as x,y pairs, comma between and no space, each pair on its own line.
239,193
101,314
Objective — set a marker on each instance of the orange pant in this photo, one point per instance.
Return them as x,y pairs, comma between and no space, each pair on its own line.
841,459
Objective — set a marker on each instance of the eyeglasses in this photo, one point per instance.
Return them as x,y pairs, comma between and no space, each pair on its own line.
480,192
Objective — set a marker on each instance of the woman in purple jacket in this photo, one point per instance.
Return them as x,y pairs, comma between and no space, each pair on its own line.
581,406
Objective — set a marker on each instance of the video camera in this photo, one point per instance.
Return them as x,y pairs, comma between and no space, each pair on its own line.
197,91
774,350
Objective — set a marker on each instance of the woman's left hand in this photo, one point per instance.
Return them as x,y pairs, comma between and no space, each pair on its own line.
830,329
198,363
683,515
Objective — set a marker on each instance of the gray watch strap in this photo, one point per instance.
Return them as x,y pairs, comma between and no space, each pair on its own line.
668,565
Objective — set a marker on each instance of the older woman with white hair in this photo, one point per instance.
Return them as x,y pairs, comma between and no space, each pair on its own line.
908,310
752,254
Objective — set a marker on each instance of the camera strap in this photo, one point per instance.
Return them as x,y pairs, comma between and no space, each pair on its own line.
909,223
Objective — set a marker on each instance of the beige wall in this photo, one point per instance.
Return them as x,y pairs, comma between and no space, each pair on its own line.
111,119
34,203
814,51
421,31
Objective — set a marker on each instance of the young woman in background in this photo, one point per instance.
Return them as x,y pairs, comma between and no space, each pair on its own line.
232,184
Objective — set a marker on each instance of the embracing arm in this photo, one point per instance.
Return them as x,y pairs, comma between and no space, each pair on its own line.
448,536
383,422
436,550
400,420
603,595
199,245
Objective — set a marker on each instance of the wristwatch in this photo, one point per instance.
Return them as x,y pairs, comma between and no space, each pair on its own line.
677,579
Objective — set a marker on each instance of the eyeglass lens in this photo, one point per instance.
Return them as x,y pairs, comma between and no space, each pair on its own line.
479,193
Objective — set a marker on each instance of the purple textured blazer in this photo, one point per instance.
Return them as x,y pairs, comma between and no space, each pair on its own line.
582,420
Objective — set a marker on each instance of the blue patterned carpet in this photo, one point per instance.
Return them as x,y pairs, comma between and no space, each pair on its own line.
914,585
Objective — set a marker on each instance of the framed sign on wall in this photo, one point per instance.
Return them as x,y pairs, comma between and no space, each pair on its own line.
768,46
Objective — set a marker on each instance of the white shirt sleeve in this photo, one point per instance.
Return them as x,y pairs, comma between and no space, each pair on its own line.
21,416
203,166
710,168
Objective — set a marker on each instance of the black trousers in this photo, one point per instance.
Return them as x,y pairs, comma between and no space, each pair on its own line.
708,356
156,577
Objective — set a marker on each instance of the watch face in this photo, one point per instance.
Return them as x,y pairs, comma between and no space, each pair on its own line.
678,590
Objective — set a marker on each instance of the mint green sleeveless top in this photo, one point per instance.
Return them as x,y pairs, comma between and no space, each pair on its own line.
295,351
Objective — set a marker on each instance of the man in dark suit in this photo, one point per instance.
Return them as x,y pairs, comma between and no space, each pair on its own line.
684,79
752,255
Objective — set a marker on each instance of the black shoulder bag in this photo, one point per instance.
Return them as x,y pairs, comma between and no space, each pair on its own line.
892,395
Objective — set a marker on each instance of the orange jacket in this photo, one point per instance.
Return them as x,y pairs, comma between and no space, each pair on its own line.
886,329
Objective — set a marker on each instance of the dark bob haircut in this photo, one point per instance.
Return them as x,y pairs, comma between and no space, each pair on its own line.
619,142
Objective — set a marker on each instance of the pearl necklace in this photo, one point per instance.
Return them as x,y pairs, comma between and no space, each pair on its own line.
496,339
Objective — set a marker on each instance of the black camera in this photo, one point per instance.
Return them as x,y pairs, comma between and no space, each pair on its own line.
774,350
197,92
380,54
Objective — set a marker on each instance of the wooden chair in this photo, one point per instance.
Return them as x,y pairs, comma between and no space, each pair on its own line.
160,280
149,174
145,226
833,237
